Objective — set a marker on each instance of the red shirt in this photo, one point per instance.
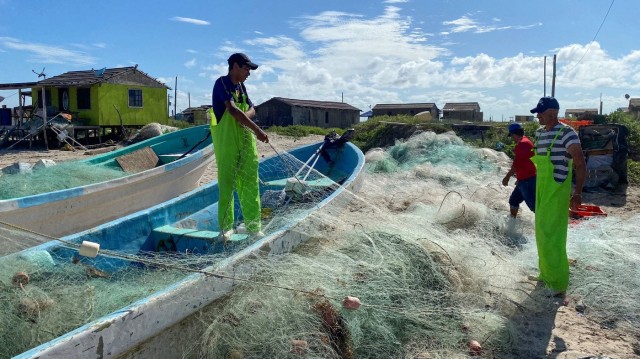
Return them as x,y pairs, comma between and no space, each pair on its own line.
522,154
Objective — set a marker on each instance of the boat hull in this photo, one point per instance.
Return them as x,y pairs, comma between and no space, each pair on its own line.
128,328
73,210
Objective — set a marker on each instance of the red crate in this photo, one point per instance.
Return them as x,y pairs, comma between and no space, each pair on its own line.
584,211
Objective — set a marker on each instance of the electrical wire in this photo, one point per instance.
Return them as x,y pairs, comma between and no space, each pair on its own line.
594,37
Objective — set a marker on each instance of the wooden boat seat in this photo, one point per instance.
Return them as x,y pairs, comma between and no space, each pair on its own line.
138,161
316,184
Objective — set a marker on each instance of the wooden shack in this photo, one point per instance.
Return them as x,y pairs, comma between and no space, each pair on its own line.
462,111
280,111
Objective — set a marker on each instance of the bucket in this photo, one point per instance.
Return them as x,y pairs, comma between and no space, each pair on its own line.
586,211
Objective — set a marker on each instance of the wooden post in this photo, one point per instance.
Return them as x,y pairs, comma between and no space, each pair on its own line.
44,114
20,109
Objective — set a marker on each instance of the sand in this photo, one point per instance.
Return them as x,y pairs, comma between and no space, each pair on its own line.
277,143
560,328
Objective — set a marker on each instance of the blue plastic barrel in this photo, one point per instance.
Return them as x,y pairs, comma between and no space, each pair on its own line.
5,117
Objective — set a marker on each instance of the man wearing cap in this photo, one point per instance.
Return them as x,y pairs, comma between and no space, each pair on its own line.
234,141
523,169
558,156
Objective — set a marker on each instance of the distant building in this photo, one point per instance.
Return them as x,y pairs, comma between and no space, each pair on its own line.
367,115
462,111
196,114
280,111
92,96
634,106
580,113
406,109
524,118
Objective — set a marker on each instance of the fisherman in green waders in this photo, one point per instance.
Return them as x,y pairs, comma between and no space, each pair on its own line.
234,144
558,155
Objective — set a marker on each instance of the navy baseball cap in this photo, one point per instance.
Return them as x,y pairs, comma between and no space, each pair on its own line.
546,103
514,126
241,59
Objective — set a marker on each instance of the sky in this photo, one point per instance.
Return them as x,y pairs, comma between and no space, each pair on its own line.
359,52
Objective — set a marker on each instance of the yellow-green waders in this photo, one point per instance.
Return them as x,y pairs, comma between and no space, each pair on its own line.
552,219
237,159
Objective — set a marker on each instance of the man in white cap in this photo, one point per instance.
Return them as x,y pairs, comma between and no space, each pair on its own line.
558,156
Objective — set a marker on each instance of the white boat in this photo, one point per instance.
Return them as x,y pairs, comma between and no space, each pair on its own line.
72,210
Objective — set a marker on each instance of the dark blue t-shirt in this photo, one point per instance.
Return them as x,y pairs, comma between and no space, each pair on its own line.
223,91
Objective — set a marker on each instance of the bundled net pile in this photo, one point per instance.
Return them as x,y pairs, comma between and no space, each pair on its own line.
53,178
426,245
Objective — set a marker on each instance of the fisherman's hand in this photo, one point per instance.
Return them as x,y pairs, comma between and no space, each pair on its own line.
505,181
262,136
575,201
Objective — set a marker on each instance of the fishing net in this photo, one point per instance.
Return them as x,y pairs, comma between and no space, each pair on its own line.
426,246
49,178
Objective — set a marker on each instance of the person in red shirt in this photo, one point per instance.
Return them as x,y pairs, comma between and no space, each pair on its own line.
524,170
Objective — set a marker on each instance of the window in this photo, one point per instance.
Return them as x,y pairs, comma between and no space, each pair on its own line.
135,98
84,98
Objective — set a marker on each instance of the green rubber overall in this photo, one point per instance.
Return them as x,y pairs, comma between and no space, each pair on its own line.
552,219
237,159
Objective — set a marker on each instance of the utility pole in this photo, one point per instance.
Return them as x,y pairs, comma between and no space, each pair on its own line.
553,80
544,76
600,103
175,99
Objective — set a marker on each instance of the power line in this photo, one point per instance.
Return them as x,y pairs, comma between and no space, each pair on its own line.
595,36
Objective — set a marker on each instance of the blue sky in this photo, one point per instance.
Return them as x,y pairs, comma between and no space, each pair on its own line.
362,52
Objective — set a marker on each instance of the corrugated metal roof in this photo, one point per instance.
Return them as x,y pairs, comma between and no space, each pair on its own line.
387,106
90,77
316,104
461,106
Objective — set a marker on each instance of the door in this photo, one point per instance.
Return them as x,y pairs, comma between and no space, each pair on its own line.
63,98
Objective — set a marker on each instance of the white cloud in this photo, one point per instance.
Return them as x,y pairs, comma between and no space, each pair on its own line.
388,59
190,20
48,54
467,24
190,64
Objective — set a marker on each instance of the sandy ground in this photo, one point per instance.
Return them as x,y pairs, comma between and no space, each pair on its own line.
277,143
565,333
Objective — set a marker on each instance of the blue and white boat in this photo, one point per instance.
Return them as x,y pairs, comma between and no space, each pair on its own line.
184,227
